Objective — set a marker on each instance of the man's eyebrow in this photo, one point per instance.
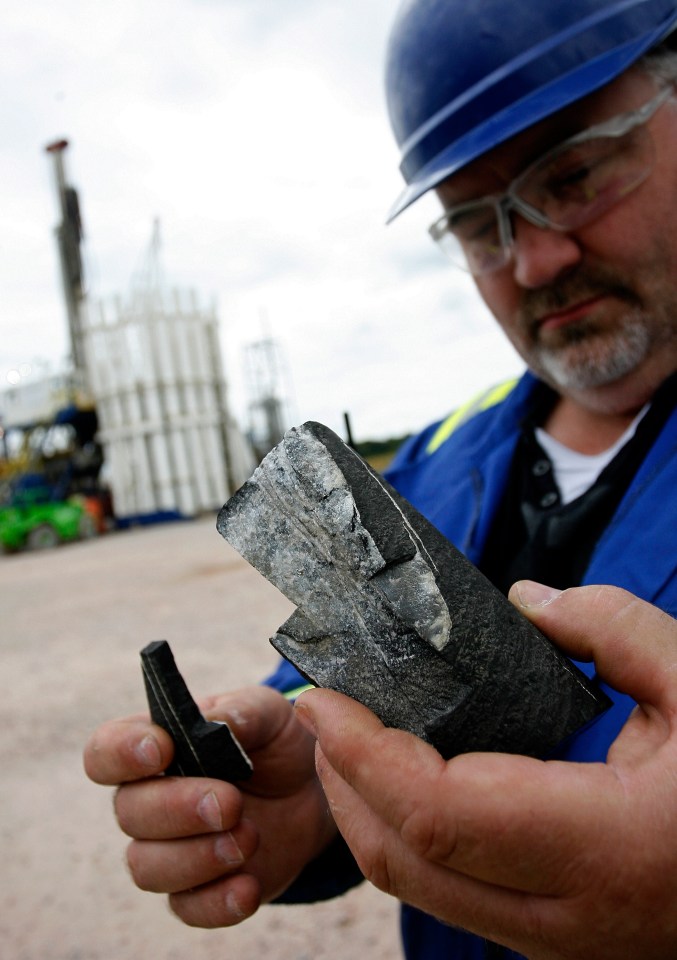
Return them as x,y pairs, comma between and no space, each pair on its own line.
567,126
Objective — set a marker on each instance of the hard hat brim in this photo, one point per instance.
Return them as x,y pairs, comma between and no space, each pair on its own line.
496,128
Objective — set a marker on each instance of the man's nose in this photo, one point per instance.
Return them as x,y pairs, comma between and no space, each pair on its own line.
540,255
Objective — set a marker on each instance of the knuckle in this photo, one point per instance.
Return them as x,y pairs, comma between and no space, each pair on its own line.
122,811
223,903
181,907
141,808
136,864
250,712
199,908
374,863
172,808
375,870
422,833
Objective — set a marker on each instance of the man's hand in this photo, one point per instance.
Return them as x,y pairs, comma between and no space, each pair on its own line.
218,850
558,861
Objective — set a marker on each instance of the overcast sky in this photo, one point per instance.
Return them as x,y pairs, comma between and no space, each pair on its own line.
256,131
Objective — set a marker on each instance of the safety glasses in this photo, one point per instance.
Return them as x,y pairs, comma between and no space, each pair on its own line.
569,186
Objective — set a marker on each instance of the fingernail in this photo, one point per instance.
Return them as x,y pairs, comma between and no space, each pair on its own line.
233,906
226,849
533,594
148,752
305,717
209,811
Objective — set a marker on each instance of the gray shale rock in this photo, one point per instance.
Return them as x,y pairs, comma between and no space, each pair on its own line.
391,614
202,748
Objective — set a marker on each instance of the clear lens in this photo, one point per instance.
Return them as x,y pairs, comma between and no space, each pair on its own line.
470,236
570,186
576,184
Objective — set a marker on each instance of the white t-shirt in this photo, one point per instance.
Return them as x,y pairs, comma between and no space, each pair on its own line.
576,472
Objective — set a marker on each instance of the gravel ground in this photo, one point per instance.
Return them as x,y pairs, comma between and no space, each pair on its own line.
72,623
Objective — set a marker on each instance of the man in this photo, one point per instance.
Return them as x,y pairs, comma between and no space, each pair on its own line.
549,133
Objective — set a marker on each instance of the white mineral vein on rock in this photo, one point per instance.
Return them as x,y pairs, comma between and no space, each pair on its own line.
303,531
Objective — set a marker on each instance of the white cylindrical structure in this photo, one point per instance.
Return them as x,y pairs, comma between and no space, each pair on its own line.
171,447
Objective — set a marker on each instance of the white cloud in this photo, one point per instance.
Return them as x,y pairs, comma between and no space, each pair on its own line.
256,131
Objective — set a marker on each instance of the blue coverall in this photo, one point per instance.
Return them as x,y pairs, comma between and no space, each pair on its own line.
458,488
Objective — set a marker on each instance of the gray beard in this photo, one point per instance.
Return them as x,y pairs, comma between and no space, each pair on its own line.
591,359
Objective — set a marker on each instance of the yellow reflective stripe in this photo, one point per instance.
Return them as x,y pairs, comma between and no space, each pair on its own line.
293,694
447,427
488,398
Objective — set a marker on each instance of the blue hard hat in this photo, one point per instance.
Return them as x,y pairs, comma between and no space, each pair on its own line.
463,76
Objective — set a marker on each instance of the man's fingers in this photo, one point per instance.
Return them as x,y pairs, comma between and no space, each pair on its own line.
128,749
493,817
172,866
132,748
222,903
265,724
394,867
168,807
256,715
633,644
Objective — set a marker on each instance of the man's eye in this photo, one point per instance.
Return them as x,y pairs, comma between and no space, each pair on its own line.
578,174
473,226
574,176
570,182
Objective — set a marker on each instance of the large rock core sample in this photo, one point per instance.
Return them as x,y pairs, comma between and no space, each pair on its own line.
391,614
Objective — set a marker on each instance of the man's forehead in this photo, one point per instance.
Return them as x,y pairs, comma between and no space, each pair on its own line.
497,168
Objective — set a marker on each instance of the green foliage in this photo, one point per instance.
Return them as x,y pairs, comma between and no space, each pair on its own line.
379,453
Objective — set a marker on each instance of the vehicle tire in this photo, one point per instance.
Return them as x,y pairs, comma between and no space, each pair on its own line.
42,537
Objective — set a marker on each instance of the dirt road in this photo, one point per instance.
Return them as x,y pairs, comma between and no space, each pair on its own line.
72,621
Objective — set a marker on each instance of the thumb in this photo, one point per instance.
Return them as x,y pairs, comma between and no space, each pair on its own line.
633,644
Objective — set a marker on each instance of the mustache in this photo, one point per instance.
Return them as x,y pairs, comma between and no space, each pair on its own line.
584,284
